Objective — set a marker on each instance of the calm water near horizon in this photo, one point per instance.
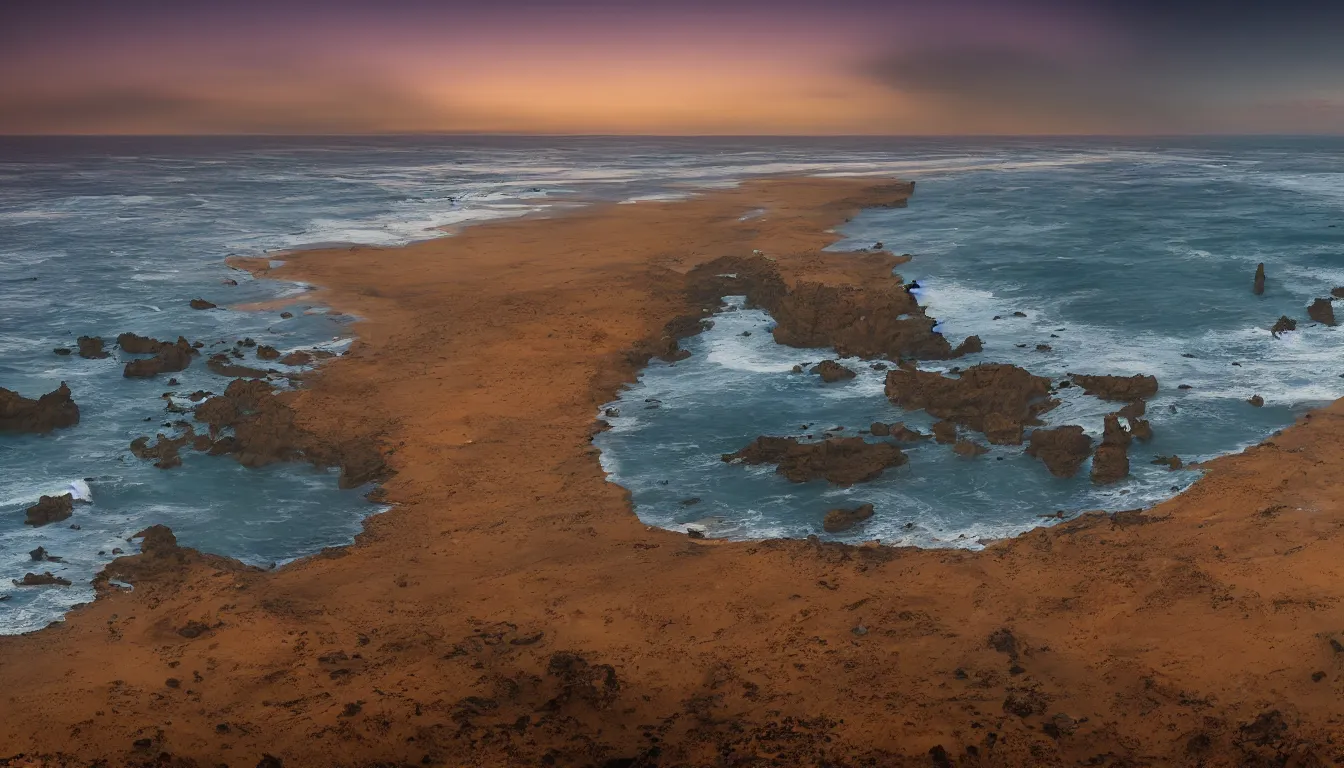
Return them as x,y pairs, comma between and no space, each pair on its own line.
1128,256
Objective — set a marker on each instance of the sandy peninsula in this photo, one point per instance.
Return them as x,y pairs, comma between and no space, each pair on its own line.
510,609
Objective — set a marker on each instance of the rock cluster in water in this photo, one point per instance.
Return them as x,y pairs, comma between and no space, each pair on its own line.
1124,389
831,371
995,399
1062,449
838,520
839,460
168,357
54,410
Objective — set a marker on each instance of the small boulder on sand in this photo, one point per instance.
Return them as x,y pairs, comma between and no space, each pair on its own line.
838,520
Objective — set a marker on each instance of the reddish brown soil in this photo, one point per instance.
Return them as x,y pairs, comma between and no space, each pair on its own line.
511,610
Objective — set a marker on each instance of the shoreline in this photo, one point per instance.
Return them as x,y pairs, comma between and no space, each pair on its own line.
493,591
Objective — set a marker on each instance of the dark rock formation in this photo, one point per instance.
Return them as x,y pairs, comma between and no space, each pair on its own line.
878,429
1259,286
50,509
969,449
265,352
831,371
201,304
41,580
54,410
298,357
139,345
1322,311
1338,293
1124,389
1133,410
1171,462
838,520
286,315
1256,401
91,347
1062,449
62,351
265,431
1111,461
993,398
168,357
945,432
904,434
1140,429
165,450
873,321
1283,325
840,460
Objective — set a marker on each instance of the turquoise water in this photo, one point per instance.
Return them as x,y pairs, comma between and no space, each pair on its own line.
1141,250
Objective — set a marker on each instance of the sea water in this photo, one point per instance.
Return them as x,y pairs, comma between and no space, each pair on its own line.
1140,251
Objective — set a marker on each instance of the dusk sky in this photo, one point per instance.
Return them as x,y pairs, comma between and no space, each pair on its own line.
726,67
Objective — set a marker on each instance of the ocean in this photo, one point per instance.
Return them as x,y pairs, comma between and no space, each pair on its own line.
1127,256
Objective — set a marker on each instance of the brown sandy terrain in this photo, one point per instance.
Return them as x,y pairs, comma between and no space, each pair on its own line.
511,610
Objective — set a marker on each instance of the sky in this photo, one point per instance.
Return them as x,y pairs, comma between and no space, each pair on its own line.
740,67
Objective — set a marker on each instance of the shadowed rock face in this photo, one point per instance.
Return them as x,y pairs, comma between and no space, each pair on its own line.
993,398
1062,449
839,460
1259,286
1124,389
838,520
831,371
54,410
49,509
1111,462
1322,311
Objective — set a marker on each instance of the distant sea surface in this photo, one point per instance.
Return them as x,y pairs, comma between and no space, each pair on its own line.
1127,256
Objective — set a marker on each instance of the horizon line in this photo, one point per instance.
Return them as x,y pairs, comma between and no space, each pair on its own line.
528,134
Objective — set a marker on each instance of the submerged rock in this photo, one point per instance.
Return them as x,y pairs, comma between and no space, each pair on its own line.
879,429
1062,449
1322,311
298,357
201,304
265,352
1170,462
839,460
91,348
838,520
1117,388
945,432
1256,401
1111,461
995,399
1259,286
49,509
1283,325
831,371
904,434
54,410
969,449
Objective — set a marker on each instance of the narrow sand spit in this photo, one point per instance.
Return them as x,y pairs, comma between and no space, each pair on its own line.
511,610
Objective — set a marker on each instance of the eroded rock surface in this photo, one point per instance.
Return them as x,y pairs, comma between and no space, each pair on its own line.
839,460
54,410
1062,449
996,399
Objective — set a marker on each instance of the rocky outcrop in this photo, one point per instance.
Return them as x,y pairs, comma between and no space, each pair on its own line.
265,432
1140,429
1170,462
1111,461
1256,401
1259,285
201,304
168,357
165,452
945,432
1322,311
1122,389
1062,449
1338,293
265,352
220,366
1283,325
91,348
880,429
831,371
864,322
41,580
54,410
49,509
298,357
903,434
839,460
1133,410
755,277
969,449
838,520
996,399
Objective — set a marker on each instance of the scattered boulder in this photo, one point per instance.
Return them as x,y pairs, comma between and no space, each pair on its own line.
50,509
945,432
1019,314
969,449
62,351
838,520
228,281
1256,401
1283,325
878,429
1124,389
1062,449
54,410
91,347
41,580
201,304
1111,461
1259,286
1322,311
286,315
839,460
992,398
1171,462
831,371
